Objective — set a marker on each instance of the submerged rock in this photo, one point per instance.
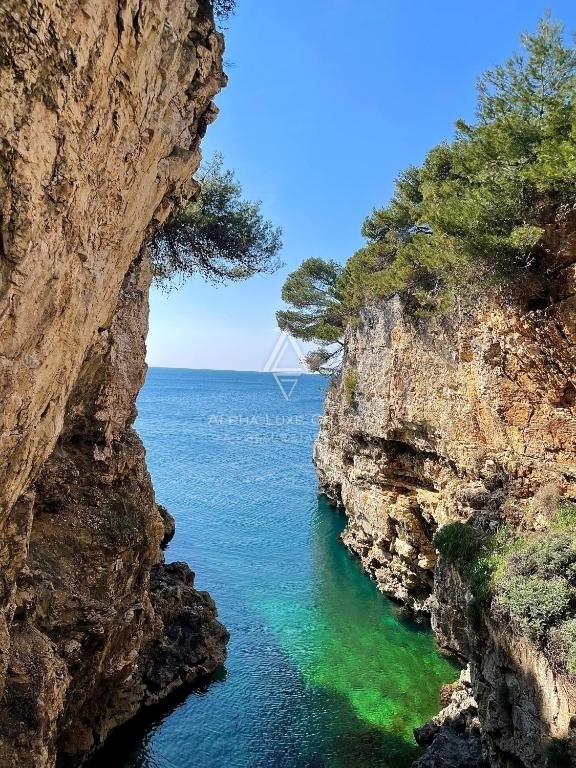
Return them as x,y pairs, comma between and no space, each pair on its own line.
452,749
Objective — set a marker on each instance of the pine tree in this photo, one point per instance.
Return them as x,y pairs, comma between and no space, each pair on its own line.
219,235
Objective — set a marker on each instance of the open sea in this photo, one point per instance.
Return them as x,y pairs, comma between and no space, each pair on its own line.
322,671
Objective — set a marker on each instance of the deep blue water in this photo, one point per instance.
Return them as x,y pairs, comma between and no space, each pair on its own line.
322,670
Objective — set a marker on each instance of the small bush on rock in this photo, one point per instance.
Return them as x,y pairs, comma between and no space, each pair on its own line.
458,543
531,576
565,518
535,603
567,635
545,557
350,385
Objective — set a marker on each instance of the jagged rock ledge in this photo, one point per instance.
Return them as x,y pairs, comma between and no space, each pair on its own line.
453,738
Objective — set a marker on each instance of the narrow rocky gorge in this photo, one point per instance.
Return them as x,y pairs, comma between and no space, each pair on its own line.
102,109
468,416
450,419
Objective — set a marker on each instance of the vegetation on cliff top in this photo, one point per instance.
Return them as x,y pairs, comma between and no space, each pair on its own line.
530,576
316,309
224,8
475,212
219,235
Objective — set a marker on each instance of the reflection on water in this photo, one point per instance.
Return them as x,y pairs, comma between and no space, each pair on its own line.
322,670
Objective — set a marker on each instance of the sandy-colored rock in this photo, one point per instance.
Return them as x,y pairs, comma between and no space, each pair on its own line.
453,418
102,109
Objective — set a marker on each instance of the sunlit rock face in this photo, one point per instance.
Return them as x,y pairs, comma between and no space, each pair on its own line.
452,416
102,109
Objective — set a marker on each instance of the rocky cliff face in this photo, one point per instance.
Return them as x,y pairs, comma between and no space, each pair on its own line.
449,418
102,109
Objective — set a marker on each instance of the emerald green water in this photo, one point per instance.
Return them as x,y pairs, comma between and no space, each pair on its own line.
323,671
357,644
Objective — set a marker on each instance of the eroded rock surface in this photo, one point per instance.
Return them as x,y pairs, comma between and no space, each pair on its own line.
102,109
453,738
451,417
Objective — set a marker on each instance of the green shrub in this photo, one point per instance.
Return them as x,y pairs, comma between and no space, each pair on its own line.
482,574
120,525
468,550
479,557
536,603
567,635
545,557
565,518
533,578
458,543
350,385
491,562
218,235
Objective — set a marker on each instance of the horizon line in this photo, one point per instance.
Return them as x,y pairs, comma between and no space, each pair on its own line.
222,370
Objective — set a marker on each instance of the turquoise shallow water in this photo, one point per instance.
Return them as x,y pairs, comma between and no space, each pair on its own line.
323,672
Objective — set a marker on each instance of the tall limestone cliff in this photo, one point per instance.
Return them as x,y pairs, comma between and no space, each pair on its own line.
444,419
102,108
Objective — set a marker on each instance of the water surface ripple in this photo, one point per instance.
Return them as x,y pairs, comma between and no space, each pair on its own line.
323,672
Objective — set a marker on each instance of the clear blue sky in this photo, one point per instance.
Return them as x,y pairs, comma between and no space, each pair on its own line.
326,103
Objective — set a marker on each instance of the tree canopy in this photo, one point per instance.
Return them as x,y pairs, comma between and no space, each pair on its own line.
218,235
475,213
224,8
316,312
477,208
